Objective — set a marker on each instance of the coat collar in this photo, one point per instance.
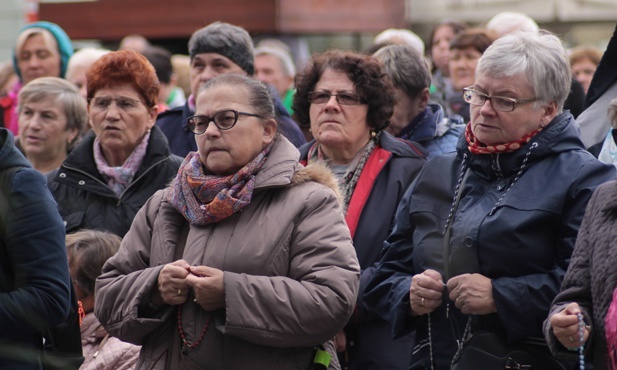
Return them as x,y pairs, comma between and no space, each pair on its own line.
279,168
82,156
559,136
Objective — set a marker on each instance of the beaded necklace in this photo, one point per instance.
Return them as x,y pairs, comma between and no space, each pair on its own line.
581,337
450,219
185,343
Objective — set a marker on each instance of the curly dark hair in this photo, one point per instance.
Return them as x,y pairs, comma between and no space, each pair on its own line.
370,82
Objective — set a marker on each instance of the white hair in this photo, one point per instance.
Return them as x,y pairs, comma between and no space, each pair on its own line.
400,36
83,58
537,56
508,22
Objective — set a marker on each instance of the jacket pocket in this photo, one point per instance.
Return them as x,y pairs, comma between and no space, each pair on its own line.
526,203
428,217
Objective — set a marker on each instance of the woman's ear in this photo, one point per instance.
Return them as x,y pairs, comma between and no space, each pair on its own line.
269,130
153,112
550,111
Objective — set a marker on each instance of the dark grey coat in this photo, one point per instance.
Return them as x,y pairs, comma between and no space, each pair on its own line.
592,275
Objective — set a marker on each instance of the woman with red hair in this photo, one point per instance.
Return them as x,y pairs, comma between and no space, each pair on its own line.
125,158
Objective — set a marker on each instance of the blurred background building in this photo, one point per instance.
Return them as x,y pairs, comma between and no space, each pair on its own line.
306,26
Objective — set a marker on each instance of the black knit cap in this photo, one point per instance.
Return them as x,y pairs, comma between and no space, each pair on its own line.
225,39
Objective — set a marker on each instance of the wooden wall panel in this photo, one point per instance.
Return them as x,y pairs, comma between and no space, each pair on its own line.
110,20
325,16
113,19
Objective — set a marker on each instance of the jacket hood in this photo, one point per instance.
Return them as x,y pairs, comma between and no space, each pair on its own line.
424,125
65,48
9,155
561,135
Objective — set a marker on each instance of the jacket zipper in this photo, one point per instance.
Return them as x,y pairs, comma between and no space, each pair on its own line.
119,199
497,167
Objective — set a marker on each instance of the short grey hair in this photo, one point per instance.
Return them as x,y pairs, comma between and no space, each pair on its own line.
259,95
61,92
407,69
537,56
284,58
225,39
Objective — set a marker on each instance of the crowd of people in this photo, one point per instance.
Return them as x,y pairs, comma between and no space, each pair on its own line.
381,209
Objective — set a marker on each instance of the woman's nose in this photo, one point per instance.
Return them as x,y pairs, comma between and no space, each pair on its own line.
332,104
212,130
487,109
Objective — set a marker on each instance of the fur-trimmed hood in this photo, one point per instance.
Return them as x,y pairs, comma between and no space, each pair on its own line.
320,173
283,169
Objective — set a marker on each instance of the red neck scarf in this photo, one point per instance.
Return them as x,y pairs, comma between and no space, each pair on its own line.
477,147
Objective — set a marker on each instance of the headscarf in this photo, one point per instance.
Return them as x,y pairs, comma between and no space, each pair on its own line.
65,48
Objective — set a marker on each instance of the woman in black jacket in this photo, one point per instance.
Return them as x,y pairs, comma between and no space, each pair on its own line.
125,158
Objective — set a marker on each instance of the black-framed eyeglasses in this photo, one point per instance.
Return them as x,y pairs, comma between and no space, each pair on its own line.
500,103
223,120
344,98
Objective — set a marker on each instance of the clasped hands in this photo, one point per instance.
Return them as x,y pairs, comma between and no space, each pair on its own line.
471,293
566,326
178,278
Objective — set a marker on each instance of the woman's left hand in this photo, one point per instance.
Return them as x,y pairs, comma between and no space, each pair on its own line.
208,285
472,294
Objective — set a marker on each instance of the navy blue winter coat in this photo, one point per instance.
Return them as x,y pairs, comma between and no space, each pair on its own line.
34,273
518,232
386,175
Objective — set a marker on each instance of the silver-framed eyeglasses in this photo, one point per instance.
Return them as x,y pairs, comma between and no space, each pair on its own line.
102,103
223,120
343,98
500,103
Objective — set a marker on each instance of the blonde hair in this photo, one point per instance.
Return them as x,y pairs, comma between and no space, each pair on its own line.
48,39
61,92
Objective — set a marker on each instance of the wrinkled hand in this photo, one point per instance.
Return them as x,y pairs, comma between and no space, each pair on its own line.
565,326
472,294
425,292
172,287
340,341
209,287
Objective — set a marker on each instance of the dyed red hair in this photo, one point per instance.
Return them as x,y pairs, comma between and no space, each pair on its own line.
124,66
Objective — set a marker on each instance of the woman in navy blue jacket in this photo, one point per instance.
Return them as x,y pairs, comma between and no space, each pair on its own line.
347,101
34,273
483,237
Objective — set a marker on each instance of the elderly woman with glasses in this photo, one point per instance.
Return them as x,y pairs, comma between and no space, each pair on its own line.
245,261
347,100
483,237
125,158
